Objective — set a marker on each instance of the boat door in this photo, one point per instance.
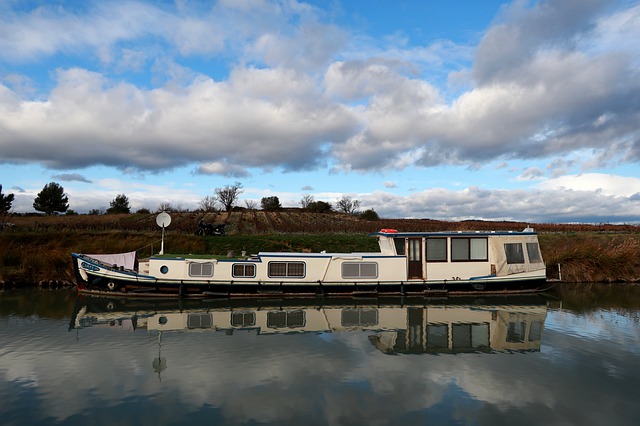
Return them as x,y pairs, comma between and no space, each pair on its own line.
414,259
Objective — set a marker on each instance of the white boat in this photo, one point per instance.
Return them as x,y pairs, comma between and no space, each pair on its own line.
408,263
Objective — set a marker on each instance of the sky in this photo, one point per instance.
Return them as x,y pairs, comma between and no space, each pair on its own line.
497,110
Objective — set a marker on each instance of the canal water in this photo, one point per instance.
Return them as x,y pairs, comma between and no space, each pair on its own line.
571,357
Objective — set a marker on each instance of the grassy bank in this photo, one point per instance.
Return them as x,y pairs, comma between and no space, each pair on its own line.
37,249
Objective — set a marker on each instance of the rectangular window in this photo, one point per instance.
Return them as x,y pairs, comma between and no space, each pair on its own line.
415,245
461,336
477,248
243,319
287,269
359,270
535,332
480,335
516,332
514,253
533,250
284,319
399,242
470,336
437,336
201,269
436,249
199,320
469,249
244,270
359,317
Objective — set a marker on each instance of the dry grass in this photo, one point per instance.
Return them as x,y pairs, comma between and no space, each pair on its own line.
592,257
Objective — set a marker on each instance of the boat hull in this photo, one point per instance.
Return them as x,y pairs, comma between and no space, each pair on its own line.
116,282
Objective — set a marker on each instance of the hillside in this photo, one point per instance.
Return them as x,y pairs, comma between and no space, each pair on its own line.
256,222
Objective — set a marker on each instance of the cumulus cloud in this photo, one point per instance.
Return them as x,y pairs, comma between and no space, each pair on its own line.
222,168
537,94
586,198
609,185
89,119
532,173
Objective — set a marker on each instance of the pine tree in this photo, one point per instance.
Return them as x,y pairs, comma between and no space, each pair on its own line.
5,201
120,204
51,199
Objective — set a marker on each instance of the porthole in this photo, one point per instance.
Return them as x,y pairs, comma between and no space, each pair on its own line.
162,320
164,269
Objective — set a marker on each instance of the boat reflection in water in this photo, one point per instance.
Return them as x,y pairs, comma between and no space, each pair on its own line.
396,325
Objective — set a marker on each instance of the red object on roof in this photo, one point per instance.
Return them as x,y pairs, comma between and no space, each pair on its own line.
388,231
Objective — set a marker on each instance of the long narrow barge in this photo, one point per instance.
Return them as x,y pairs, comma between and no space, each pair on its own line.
408,263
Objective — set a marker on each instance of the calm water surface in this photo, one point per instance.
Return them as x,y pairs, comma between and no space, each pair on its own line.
570,359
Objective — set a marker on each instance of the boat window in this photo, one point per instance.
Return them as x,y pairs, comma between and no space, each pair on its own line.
243,319
284,319
535,332
415,247
436,249
478,248
399,242
199,320
514,253
516,332
246,270
533,250
470,336
359,317
286,269
469,249
437,336
201,269
359,270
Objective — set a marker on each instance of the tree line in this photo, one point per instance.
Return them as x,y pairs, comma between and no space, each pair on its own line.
53,200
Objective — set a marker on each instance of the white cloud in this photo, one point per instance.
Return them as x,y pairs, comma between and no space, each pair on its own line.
222,168
166,127
606,184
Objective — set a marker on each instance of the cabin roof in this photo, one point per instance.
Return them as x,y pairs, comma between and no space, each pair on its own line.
392,233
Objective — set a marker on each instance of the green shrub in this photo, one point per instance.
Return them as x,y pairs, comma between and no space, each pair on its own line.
369,214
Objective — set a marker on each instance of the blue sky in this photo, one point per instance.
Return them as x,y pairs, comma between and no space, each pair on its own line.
521,110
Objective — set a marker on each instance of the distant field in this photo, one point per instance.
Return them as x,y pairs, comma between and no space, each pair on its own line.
256,222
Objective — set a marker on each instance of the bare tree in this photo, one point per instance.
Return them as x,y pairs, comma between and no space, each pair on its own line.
347,204
228,195
180,208
165,207
306,200
251,204
208,204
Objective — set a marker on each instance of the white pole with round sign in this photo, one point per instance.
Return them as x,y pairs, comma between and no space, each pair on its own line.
163,220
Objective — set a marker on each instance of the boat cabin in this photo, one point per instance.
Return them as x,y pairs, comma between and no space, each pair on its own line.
463,254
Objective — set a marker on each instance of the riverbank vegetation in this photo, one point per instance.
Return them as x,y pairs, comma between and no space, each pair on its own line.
36,249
